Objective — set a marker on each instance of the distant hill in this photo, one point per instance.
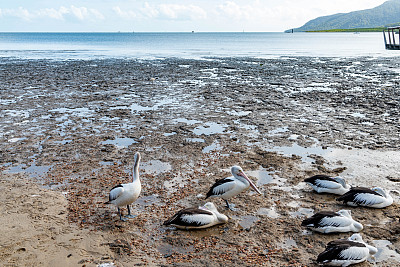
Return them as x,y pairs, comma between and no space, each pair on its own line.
385,14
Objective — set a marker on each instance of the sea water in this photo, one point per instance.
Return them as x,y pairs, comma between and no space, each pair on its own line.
64,46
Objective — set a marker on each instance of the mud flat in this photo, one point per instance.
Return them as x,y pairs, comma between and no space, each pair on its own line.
70,129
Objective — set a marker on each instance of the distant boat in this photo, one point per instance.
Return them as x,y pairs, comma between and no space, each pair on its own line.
356,32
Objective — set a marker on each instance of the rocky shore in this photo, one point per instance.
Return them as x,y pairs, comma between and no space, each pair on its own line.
70,130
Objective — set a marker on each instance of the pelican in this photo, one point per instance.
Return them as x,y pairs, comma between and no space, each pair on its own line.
344,252
126,194
197,218
231,186
332,222
362,196
326,184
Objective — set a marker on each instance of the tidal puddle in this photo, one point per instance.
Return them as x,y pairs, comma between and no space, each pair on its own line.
155,166
384,252
195,140
183,120
238,113
33,171
137,108
303,152
119,142
246,221
265,177
210,128
278,131
270,212
78,112
14,140
302,212
215,146
364,166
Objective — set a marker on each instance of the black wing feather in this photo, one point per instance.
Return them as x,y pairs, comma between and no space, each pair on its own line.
334,249
177,218
313,179
218,183
317,217
350,196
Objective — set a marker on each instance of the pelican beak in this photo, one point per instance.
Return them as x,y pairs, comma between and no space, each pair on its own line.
251,183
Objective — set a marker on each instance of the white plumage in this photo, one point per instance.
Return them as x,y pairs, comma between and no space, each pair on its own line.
332,222
346,252
326,184
231,186
126,194
361,196
197,218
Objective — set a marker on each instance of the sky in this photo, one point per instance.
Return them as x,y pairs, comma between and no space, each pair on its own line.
168,15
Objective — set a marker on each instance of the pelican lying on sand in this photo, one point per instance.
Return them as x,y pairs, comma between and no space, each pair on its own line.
197,218
362,196
332,222
231,186
126,194
344,252
326,184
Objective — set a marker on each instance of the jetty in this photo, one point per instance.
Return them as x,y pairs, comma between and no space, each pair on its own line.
390,42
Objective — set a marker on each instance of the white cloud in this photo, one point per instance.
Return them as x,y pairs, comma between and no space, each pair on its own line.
182,12
81,13
124,14
172,12
53,13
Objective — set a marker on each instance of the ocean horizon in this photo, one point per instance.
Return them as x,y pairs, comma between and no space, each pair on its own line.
194,45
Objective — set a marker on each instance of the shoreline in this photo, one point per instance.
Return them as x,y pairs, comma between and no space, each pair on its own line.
73,127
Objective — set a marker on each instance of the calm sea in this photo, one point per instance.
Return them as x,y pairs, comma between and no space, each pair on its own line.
62,46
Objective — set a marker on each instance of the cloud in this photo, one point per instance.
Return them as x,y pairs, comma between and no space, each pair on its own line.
80,13
174,12
124,14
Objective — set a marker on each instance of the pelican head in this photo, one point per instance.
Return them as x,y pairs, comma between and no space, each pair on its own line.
346,213
380,191
341,181
211,207
356,238
237,172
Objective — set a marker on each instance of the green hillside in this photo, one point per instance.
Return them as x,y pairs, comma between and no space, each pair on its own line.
376,18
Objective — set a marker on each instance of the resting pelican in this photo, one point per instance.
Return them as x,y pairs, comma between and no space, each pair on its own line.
332,222
362,196
344,252
326,184
231,186
126,194
197,218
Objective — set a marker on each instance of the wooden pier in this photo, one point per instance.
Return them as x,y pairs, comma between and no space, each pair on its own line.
390,42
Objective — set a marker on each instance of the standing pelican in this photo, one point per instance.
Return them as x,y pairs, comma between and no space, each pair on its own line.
197,218
126,194
332,222
362,196
231,186
326,184
344,252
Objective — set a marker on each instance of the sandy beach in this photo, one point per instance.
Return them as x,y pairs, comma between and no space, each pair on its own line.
70,130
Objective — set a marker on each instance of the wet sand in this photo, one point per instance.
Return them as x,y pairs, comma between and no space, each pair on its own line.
70,130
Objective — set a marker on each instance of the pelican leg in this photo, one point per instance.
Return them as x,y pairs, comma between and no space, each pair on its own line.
230,206
129,213
120,215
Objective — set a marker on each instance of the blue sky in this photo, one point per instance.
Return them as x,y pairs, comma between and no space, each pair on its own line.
167,16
